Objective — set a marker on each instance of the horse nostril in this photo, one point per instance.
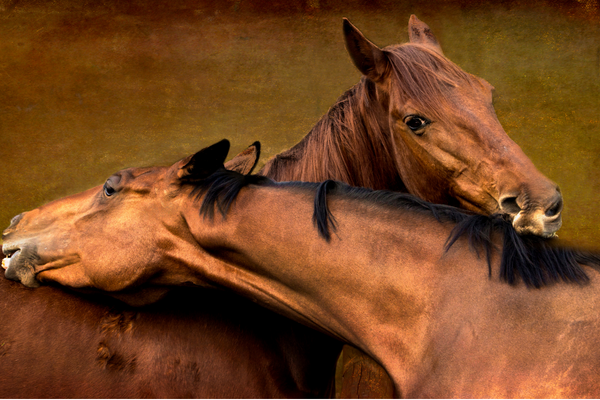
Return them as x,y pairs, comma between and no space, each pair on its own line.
555,209
15,220
509,205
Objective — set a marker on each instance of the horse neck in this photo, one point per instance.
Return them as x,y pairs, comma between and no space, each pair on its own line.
352,143
337,287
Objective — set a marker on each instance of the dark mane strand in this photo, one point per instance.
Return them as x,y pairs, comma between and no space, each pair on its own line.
441,212
322,216
221,189
478,231
537,261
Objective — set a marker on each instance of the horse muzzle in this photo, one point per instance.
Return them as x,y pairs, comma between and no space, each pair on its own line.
8,258
537,223
17,268
534,212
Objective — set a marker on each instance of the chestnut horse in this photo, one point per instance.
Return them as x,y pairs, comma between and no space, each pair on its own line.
62,345
434,128
405,120
414,285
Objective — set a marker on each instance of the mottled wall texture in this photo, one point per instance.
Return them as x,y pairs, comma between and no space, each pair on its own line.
89,87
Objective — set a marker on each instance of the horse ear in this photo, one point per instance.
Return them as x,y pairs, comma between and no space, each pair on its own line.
245,162
419,33
368,58
203,163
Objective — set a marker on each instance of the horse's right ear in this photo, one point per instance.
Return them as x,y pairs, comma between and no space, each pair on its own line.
368,58
245,162
204,163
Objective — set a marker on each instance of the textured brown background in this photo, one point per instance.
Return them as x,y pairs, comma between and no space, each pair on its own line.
90,87
87,88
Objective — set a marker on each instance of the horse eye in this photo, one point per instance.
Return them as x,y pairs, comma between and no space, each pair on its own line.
108,190
415,123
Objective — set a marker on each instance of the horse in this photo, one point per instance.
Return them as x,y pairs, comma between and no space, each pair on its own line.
394,121
416,286
64,345
435,129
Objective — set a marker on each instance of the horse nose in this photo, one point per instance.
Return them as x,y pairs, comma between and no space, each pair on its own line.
15,220
554,210
13,223
541,216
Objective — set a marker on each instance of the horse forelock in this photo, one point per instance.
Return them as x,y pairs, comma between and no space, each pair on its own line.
425,77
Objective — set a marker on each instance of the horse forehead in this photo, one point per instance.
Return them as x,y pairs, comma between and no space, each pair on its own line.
433,79
141,177
469,103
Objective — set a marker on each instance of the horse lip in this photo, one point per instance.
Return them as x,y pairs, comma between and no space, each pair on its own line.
9,250
10,254
549,227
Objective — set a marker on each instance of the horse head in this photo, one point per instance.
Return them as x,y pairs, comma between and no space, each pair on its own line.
135,214
450,146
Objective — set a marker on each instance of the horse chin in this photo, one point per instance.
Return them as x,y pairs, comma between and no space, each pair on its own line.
535,223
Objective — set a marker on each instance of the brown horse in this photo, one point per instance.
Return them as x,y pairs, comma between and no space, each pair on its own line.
63,345
488,171
433,127
416,286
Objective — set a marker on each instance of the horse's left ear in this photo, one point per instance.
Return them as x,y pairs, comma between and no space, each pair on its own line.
419,33
203,163
368,58
245,162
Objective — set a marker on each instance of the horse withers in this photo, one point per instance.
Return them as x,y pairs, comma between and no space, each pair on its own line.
414,285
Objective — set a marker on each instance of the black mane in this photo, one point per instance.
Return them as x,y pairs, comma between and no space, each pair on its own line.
537,261
221,189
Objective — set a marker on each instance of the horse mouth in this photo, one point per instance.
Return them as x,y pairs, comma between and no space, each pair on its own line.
9,256
17,266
